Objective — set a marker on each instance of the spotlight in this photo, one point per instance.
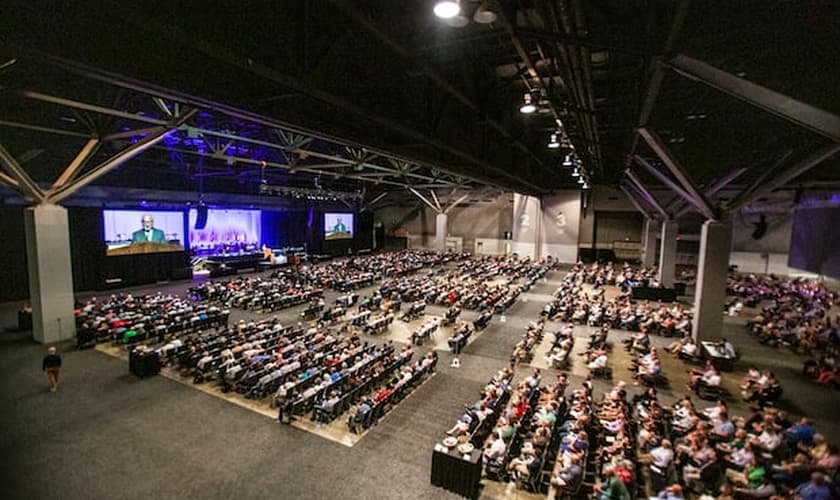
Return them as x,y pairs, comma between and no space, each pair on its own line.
446,9
487,12
528,105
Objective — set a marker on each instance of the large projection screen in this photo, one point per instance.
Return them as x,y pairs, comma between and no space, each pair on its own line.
142,231
338,226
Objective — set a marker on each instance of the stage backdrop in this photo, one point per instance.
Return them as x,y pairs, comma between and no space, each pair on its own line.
226,226
815,242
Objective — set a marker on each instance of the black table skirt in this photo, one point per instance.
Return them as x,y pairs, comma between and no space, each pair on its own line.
457,475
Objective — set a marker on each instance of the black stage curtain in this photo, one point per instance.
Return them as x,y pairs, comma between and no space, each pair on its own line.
292,228
143,268
363,238
87,248
13,274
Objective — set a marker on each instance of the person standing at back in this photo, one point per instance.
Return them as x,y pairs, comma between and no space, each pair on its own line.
51,366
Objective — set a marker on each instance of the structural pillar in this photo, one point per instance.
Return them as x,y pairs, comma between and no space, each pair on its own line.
649,242
668,253
50,273
441,228
712,270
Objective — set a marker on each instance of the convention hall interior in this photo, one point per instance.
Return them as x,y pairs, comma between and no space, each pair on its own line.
420,249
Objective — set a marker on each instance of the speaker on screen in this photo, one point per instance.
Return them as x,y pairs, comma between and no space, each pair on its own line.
201,216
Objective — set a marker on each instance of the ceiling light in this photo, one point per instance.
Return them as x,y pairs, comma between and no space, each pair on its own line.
580,180
487,12
585,185
446,9
528,105
567,161
552,143
575,173
458,21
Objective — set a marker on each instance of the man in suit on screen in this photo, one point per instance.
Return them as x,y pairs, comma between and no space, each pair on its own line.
148,232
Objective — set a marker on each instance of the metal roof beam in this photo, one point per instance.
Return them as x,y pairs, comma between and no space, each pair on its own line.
70,103
118,159
786,175
628,191
76,165
664,179
22,181
695,197
646,194
423,199
712,190
157,91
792,110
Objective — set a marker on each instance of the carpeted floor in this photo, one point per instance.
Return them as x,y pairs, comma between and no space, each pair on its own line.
108,435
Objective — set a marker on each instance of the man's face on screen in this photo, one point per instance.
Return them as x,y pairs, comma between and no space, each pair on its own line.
147,222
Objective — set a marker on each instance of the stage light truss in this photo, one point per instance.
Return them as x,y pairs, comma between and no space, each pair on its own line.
311,194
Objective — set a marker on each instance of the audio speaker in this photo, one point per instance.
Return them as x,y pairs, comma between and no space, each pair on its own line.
201,216
760,228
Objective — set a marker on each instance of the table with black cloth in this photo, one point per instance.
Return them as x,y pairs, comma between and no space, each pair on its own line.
657,294
452,472
143,363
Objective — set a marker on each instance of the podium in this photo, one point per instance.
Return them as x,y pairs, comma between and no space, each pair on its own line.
145,247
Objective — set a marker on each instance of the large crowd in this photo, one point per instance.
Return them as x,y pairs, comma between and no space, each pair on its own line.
589,305
794,313
533,436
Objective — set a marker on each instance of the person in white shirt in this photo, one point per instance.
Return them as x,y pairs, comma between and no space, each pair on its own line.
599,362
769,439
662,455
496,450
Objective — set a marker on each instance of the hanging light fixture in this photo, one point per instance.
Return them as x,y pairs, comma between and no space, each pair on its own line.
553,143
446,9
575,173
567,161
580,180
528,105
487,12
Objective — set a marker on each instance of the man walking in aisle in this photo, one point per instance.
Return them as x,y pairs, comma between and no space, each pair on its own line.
51,366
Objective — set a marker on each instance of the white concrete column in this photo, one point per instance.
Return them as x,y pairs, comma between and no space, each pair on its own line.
441,228
649,236
50,273
668,253
712,270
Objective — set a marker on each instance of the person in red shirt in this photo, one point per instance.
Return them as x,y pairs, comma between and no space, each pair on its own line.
382,394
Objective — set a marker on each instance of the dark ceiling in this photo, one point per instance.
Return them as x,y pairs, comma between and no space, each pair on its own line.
390,76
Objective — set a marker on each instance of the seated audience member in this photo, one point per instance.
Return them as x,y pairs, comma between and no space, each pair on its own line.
815,489
569,475
496,451
673,492
763,488
612,488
